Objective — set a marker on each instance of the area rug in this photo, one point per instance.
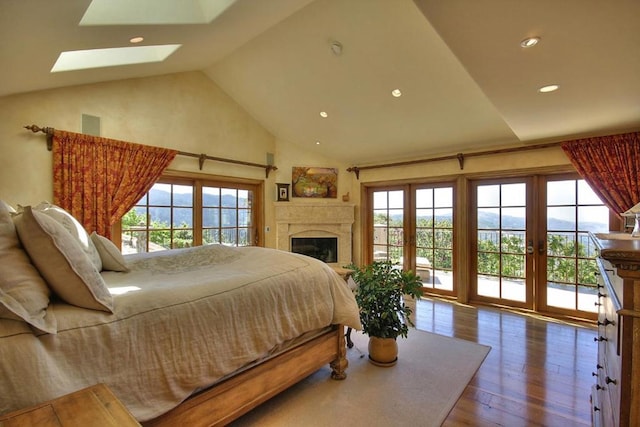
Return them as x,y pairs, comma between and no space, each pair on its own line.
431,374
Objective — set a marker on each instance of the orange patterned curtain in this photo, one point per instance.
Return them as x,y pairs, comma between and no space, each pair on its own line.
98,180
611,166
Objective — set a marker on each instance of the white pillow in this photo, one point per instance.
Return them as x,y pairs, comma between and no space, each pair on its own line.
74,228
24,295
61,261
110,255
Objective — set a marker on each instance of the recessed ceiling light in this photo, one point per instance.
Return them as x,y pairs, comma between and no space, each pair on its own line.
136,39
529,42
323,114
396,93
548,88
317,142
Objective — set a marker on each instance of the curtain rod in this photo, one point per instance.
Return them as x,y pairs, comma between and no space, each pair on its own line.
460,157
201,157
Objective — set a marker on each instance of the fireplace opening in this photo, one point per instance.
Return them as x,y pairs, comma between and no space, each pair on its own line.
322,248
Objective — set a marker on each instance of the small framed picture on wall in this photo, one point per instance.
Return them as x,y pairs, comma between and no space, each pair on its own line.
283,192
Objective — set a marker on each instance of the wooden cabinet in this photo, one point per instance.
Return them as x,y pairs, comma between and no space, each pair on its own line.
94,406
616,394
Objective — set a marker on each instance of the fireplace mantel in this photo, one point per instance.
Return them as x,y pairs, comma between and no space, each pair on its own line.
315,220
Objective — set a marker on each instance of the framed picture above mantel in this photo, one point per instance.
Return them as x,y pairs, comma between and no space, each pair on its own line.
283,192
314,182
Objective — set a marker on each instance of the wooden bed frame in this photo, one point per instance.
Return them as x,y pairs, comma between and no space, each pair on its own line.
232,398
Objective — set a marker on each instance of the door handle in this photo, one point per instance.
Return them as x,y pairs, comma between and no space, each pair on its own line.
541,247
530,249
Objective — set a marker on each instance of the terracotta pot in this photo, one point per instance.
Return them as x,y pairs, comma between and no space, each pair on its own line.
383,351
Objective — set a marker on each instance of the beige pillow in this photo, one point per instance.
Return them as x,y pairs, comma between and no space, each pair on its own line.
74,228
110,255
24,295
61,261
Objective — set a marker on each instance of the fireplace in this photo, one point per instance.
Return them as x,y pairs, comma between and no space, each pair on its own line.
313,223
323,248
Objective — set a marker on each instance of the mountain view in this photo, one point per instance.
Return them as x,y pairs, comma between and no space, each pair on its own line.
184,215
183,203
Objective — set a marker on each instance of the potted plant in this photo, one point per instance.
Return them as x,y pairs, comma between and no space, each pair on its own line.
384,314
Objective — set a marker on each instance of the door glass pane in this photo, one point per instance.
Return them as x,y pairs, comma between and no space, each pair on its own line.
388,226
488,195
501,249
561,218
591,218
380,200
513,218
513,194
561,193
488,219
434,237
396,199
573,209
586,196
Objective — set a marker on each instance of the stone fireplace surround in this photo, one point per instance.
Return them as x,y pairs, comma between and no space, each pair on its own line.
316,220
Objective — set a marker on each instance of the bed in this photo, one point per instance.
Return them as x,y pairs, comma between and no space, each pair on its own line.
195,336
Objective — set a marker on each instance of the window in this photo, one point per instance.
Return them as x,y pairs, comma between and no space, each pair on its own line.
226,216
180,212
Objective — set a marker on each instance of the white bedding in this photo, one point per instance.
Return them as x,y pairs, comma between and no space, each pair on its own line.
181,322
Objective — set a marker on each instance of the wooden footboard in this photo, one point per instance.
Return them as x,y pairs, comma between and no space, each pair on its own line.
239,394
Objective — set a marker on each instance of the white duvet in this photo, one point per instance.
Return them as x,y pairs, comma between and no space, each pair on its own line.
183,319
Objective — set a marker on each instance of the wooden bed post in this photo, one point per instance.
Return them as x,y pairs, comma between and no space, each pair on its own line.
340,364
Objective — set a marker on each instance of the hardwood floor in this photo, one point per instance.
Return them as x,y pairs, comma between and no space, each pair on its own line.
538,372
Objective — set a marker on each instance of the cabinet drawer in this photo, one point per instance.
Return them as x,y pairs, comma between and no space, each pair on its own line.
609,343
601,413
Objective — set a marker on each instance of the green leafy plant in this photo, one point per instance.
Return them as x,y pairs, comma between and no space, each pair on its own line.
380,294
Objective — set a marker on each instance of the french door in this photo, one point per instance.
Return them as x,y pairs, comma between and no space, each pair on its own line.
412,226
530,246
502,242
526,239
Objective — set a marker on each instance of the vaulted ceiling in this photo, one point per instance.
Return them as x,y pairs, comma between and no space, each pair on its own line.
466,82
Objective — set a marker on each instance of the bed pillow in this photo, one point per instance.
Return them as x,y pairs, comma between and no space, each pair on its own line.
61,261
110,255
74,228
24,295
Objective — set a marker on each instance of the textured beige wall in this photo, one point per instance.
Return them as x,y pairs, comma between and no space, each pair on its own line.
189,112
184,111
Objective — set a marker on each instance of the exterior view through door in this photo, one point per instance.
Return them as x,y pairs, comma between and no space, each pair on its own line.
528,247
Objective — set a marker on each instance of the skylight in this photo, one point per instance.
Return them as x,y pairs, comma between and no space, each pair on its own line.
153,12
98,58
